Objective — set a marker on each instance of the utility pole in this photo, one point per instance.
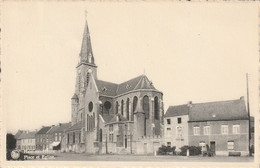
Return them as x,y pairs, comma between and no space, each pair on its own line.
248,110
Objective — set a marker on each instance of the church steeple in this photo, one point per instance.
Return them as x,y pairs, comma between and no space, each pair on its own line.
86,58
86,53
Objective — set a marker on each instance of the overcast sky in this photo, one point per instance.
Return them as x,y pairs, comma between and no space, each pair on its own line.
190,51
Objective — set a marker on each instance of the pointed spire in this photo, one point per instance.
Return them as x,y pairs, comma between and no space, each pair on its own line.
86,54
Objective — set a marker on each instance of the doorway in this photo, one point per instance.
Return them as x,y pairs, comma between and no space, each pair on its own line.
213,147
125,141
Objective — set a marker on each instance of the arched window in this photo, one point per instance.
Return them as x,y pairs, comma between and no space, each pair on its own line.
100,135
122,107
91,128
134,107
127,109
107,106
117,107
87,122
93,121
146,106
90,106
156,108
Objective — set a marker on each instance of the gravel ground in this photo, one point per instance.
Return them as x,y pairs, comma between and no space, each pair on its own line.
85,157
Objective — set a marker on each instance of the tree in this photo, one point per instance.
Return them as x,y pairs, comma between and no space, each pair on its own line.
10,142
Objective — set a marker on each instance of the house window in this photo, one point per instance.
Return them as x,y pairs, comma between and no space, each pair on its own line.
168,129
230,145
59,136
206,130
224,129
56,137
179,132
236,129
168,121
179,120
169,144
73,137
68,138
196,130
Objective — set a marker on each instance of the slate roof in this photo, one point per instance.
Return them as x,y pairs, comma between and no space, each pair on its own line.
27,135
86,47
112,89
221,110
59,128
43,130
19,132
76,126
106,88
179,110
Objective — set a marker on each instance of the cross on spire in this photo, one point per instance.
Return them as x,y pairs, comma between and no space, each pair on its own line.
86,14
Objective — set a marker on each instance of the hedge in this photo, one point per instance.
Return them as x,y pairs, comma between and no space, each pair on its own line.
166,150
193,150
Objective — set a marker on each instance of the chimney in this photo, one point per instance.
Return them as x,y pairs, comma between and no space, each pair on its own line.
242,98
59,124
189,103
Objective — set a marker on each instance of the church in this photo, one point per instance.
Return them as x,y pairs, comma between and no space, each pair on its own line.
108,117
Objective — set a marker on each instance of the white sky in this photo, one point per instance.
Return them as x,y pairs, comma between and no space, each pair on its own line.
191,51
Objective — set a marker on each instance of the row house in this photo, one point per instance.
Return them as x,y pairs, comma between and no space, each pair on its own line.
42,138
26,141
221,126
55,135
176,126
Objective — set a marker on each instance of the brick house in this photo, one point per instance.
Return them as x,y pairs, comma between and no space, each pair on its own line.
223,126
74,139
42,139
176,126
55,135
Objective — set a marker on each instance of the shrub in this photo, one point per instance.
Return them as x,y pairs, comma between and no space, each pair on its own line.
166,150
193,150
